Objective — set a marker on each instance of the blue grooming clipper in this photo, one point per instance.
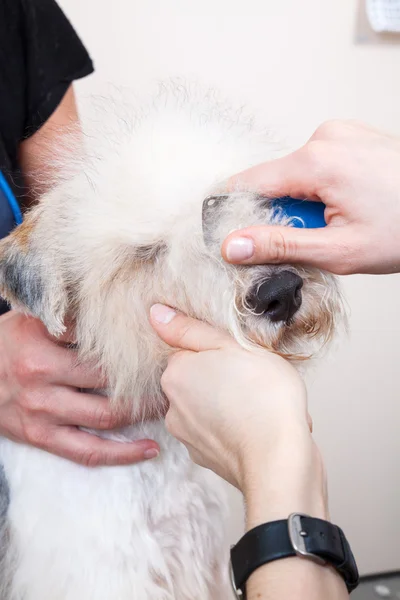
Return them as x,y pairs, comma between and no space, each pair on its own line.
6,192
303,213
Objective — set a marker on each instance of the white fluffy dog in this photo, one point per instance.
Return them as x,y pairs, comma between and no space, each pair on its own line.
123,229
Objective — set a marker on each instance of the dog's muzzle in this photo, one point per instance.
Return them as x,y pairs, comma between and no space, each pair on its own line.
279,297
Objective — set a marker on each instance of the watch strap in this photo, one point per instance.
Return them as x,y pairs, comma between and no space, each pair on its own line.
316,539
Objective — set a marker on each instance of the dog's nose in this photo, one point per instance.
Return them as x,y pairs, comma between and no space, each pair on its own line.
278,298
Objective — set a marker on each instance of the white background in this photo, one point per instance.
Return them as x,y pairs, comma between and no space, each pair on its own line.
297,64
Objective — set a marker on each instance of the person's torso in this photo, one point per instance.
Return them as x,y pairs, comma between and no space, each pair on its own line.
12,113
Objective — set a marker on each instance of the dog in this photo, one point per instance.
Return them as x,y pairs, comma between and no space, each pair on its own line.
137,217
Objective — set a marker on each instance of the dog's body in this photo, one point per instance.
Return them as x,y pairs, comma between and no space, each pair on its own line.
122,231
153,531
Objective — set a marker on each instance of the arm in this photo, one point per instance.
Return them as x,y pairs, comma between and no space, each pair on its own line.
269,497
244,415
54,58
36,152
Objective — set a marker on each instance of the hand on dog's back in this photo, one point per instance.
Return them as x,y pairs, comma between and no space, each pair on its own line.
40,402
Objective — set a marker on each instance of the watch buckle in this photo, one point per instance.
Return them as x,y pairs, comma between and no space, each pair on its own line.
238,593
297,535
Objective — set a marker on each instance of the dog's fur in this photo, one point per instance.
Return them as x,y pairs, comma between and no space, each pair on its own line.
121,231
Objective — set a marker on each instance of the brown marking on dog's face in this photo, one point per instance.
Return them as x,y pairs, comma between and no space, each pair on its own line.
22,234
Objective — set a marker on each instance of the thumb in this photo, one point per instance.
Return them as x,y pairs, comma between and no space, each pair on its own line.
325,248
180,331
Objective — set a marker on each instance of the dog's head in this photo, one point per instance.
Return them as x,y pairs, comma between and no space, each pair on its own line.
130,228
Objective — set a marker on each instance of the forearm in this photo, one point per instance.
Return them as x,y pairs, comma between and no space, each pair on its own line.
297,486
258,438
298,578
37,153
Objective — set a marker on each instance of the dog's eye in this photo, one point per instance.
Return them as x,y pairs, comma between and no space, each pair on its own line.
278,298
150,252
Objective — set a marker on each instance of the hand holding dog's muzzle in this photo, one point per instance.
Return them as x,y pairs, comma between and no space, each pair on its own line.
225,401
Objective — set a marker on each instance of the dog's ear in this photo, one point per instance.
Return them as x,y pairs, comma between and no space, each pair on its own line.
30,279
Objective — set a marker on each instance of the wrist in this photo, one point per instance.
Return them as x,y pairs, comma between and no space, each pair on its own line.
290,478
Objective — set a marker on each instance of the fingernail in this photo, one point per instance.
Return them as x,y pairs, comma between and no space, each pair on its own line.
151,453
240,249
162,314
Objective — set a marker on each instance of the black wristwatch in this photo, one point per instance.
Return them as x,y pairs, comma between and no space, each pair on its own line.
299,535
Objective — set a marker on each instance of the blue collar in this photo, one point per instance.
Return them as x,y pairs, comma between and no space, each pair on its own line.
6,191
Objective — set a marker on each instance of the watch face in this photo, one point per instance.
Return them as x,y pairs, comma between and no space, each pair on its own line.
378,586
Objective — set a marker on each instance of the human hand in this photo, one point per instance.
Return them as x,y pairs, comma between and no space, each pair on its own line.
355,171
243,415
40,401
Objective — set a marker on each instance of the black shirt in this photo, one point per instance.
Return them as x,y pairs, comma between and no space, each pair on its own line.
40,56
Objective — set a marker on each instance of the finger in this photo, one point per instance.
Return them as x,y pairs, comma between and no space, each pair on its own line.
324,248
293,175
54,363
59,364
80,409
183,332
92,451
65,368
